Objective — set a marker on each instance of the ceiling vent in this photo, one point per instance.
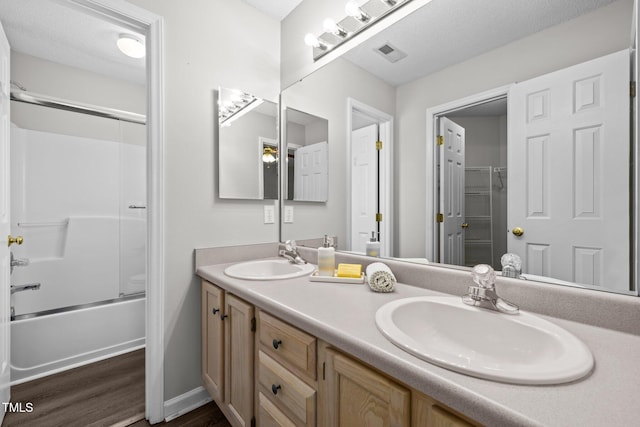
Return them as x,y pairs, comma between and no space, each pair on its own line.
390,52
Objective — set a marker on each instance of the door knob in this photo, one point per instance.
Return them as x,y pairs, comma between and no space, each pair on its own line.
518,231
464,225
11,240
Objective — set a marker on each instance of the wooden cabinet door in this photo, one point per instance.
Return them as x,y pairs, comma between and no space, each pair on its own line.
269,415
239,345
426,412
354,395
213,340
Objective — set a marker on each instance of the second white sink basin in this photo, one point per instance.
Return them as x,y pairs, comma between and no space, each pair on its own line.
518,349
268,269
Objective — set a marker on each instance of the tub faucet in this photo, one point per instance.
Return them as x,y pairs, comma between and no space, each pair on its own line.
290,252
27,287
484,293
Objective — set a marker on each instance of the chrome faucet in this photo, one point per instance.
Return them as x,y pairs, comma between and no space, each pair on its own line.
27,287
290,252
484,293
511,265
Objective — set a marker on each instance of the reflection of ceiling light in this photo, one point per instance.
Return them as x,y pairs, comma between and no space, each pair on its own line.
233,104
131,45
269,154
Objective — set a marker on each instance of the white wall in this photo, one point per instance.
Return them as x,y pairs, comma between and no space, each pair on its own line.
324,94
552,49
208,43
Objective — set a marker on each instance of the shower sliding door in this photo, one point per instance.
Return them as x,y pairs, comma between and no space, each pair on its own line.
78,198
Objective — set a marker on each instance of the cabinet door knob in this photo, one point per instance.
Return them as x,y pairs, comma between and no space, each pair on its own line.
276,343
275,388
215,310
223,316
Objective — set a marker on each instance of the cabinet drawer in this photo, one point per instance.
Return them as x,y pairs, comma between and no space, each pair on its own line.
270,416
290,346
288,391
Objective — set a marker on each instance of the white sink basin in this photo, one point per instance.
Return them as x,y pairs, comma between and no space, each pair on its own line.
268,269
518,349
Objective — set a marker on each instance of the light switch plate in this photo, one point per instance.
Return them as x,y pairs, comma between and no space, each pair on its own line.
269,214
288,214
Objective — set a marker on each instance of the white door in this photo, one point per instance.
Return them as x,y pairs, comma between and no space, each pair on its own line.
311,173
452,192
5,224
568,173
364,186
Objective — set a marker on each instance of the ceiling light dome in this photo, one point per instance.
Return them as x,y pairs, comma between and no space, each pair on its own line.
131,45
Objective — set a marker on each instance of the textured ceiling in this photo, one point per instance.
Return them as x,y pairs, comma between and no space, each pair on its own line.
51,30
455,30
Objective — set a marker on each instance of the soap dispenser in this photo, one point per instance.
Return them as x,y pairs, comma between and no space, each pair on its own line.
373,246
326,258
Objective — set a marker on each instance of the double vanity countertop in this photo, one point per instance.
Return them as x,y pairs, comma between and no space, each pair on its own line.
344,316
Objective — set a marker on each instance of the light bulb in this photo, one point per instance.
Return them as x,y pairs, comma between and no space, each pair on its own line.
313,41
352,9
330,26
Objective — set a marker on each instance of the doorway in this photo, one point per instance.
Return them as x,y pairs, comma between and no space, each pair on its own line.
370,148
483,184
150,25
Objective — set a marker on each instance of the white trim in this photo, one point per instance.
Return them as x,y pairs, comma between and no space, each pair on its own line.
385,122
431,245
635,120
153,27
186,402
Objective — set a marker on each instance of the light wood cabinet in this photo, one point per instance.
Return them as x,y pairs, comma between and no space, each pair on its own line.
213,340
287,377
228,341
426,412
355,395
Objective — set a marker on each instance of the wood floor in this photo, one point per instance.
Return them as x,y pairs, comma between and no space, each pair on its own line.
105,393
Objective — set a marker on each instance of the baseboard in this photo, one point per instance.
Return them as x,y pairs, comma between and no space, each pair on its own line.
186,402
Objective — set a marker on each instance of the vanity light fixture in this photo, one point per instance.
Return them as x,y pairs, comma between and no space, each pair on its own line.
130,45
359,18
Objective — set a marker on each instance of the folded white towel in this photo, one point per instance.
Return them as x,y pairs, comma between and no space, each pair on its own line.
380,277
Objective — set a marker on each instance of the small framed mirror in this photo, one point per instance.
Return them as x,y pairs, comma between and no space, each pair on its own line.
247,146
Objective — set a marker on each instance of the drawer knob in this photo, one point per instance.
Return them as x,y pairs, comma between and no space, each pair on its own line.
275,388
276,343
224,316
215,310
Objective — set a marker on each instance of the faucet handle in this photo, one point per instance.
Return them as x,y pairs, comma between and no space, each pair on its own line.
484,276
290,245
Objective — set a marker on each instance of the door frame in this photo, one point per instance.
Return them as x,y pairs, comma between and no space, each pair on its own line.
385,126
432,238
152,25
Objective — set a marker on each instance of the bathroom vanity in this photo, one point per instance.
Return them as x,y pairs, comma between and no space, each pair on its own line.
296,352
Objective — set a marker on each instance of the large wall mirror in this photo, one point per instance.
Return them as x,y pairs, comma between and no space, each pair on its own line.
247,146
505,128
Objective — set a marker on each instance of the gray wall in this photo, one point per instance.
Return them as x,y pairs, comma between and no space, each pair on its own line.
208,43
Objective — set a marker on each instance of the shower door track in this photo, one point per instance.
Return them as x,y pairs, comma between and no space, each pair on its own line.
79,306
77,107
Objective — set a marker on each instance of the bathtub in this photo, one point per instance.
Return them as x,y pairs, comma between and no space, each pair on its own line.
51,343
